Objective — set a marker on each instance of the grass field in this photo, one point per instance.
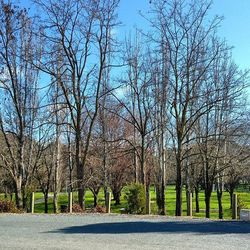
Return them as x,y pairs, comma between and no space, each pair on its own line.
170,202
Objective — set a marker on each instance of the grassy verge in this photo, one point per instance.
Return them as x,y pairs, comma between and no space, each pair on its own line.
170,202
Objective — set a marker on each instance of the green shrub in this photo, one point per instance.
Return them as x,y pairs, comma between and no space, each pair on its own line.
135,197
8,207
240,204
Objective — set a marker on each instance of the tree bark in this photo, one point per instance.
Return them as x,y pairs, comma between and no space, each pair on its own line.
207,202
95,199
18,192
197,204
46,207
117,195
219,198
79,168
178,209
24,198
148,208
231,192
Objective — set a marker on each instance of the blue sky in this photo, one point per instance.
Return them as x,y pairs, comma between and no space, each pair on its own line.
235,27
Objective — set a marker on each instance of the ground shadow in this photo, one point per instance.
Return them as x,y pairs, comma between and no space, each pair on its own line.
214,227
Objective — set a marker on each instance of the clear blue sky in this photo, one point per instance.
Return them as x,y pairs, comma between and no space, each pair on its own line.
235,28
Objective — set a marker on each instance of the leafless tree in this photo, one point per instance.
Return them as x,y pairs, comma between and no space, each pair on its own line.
218,126
19,98
82,29
189,42
137,104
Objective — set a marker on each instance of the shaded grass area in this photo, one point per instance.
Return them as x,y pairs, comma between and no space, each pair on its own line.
170,202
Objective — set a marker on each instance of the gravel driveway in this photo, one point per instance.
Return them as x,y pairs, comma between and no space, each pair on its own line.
100,232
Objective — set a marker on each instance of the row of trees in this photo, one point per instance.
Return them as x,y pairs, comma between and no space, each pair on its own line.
81,108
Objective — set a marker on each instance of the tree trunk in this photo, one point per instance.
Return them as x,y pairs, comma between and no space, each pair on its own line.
70,165
178,209
197,204
46,207
24,198
163,206
117,195
160,198
55,202
56,178
5,193
105,190
70,181
79,168
135,167
18,193
148,208
142,168
231,191
158,195
207,202
95,199
219,197
81,198
163,184
105,169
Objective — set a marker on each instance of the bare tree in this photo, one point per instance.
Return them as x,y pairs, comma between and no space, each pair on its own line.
82,29
137,105
160,71
183,30
217,127
19,98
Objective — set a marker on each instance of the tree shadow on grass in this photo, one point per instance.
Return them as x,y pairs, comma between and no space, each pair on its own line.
214,227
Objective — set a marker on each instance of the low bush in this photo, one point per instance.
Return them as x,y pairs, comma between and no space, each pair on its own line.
8,207
76,208
98,209
135,197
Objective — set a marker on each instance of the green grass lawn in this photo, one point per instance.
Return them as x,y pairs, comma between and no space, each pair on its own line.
170,202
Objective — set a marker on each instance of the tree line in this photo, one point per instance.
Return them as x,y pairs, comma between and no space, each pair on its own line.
82,108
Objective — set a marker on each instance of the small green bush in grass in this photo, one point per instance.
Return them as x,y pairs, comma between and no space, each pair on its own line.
135,197
240,204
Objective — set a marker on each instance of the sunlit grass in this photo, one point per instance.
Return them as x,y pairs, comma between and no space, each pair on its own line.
170,202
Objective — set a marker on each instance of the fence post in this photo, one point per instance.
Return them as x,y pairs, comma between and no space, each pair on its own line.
70,202
234,207
108,202
32,202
